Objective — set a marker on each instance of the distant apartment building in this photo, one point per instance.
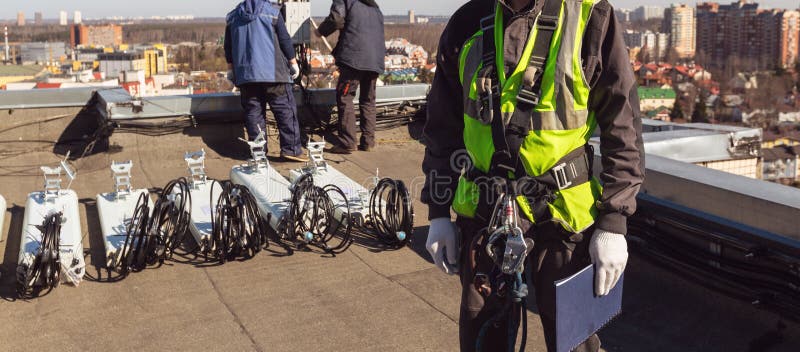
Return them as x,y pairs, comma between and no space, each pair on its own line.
77,18
644,13
709,31
734,34
87,54
114,65
633,39
107,35
411,16
37,19
62,18
650,46
20,19
623,15
784,30
41,52
655,45
741,34
679,22
155,57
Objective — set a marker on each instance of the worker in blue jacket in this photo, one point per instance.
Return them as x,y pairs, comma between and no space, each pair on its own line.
262,61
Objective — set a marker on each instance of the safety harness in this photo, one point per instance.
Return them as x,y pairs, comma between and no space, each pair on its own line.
505,243
509,133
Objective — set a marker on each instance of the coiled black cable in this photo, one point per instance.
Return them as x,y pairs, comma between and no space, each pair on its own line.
312,216
45,271
152,236
391,213
336,227
171,217
238,230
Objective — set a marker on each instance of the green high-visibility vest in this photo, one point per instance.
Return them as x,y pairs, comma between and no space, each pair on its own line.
561,121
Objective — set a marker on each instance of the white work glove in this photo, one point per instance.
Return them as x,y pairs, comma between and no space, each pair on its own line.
442,238
609,252
230,76
295,71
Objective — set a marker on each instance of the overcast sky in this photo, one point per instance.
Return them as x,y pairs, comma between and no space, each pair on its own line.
218,8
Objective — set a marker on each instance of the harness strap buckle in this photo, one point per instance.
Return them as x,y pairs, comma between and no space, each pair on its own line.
527,96
537,61
486,110
547,22
564,173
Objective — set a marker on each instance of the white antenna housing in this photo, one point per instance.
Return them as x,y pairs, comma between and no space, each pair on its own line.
258,151
196,162
121,172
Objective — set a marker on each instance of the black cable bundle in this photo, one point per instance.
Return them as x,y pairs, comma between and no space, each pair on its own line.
45,271
741,268
171,216
154,127
391,213
138,248
237,227
151,237
311,216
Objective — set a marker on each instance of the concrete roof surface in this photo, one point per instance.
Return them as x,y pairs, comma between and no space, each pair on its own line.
362,300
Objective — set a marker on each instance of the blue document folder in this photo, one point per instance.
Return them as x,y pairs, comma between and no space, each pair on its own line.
579,312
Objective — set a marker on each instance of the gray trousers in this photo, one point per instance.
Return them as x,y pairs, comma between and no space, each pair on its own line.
349,81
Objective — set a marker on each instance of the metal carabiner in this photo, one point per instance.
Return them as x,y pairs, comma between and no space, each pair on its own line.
516,247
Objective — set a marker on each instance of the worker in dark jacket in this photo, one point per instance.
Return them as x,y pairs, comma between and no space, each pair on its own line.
261,58
510,113
359,54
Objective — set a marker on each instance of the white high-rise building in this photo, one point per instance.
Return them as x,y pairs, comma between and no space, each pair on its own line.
655,45
62,18
76,17
644,13
623,15
679,22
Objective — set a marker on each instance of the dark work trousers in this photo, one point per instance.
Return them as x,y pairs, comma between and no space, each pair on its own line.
279,96
349,81
556,255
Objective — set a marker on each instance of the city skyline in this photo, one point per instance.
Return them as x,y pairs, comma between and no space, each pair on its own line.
214,8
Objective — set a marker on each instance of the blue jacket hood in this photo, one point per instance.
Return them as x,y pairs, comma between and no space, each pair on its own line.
257,43
250,9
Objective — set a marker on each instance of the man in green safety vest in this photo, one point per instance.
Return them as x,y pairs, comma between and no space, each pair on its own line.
520,88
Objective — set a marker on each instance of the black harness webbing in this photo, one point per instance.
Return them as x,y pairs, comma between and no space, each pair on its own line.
508,133
573,169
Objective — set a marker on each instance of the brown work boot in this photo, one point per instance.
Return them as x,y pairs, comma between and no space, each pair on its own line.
340,150
298,158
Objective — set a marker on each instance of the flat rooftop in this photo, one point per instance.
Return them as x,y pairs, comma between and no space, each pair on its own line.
362,300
